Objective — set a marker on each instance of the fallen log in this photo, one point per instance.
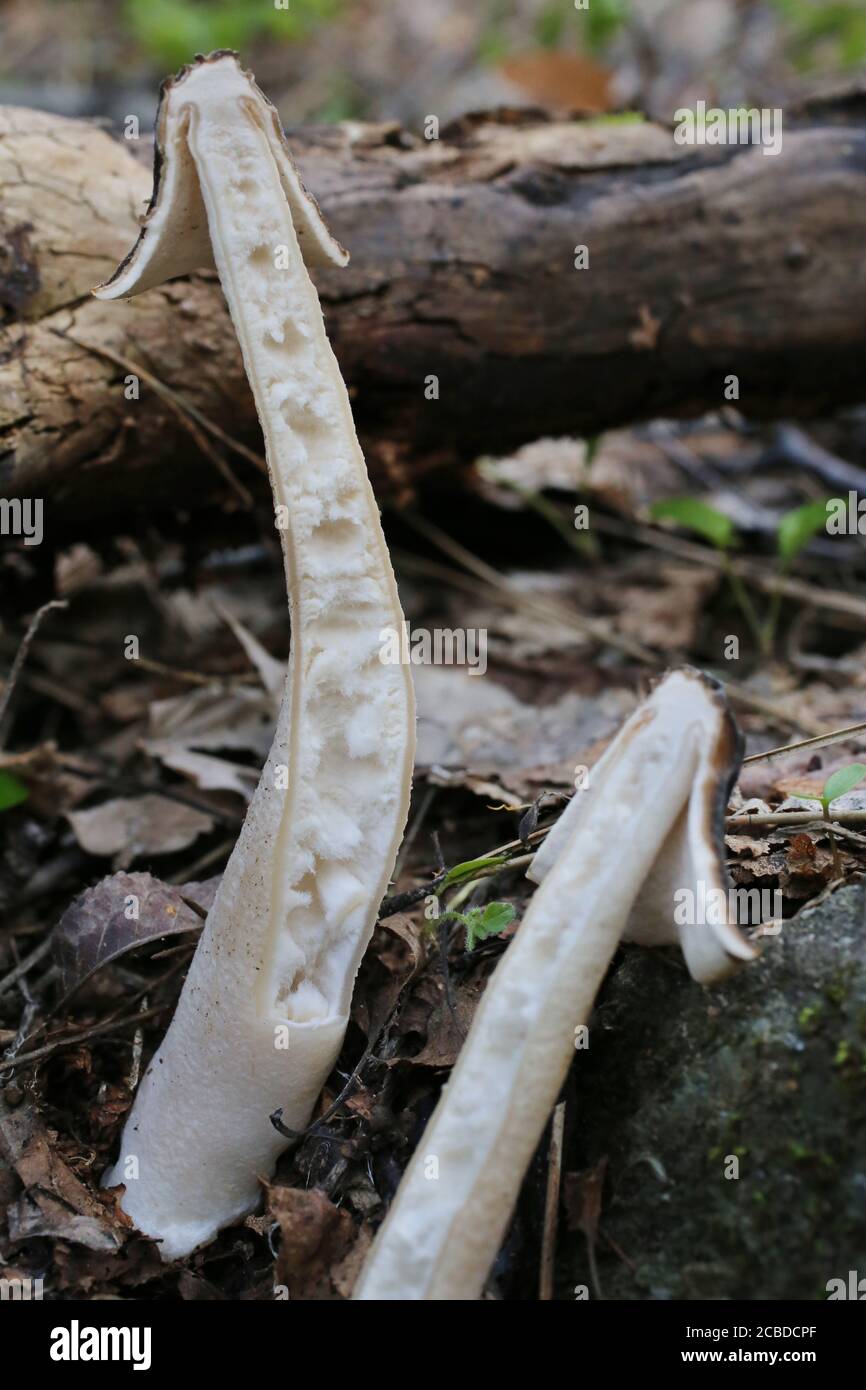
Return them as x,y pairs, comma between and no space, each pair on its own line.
462,323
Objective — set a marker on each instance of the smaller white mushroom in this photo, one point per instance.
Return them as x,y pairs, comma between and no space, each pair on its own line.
649,823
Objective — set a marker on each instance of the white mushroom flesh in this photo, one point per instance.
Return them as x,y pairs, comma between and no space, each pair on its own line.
263,1012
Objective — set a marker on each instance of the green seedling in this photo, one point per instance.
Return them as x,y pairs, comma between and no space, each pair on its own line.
12,792
835,786
603,19
719,530
812,32
697,516
556,26
471,868
795,530
480,922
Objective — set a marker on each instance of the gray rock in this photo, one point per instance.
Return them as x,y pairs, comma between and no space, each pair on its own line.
769,1068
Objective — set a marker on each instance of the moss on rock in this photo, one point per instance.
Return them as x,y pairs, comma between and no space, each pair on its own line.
768,1069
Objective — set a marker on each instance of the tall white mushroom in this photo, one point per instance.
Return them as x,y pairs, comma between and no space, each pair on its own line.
262,1014
649,823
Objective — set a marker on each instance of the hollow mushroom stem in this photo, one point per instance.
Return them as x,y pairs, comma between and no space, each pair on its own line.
649,822
263,1011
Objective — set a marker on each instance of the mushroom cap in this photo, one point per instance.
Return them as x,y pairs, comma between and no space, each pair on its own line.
174,239
693,852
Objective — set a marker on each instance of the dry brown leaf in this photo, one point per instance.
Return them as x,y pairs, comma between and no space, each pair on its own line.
215,717
54,1203
203,769
344,1274
315,1239
747,844
126,828
445,1030
471,723
96,928
553,78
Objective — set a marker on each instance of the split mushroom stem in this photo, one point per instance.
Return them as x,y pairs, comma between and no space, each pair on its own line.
649,822
264,1009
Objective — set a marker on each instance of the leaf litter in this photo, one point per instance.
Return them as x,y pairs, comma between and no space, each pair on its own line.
196,723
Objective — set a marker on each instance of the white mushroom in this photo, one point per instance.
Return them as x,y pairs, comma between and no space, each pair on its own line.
649,822
262,1015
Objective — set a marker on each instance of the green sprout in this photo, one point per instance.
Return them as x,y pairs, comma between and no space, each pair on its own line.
796,528
719,530
480,922
12,792
832,32
697,516
471,868
835,786
604,19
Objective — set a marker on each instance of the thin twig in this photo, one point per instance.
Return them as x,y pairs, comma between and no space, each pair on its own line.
595,628
793,818
444,935
835,599
192,420
551,1204
25,966
821,741
412,833
564,617
212,856
778,713
135,1065
70,1039
21,657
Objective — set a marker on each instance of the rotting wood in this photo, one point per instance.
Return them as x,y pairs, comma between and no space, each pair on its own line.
702,263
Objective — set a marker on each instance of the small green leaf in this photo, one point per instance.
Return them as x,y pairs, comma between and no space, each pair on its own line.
798,527
482,922
842,782
461,872
697,516
602,21
618,118
12,792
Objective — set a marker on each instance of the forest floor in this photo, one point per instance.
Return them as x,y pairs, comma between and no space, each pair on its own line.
136,721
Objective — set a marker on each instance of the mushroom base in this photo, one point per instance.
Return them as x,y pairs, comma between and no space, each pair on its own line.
189,1172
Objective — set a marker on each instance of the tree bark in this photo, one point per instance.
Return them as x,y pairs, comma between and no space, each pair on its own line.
703,263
